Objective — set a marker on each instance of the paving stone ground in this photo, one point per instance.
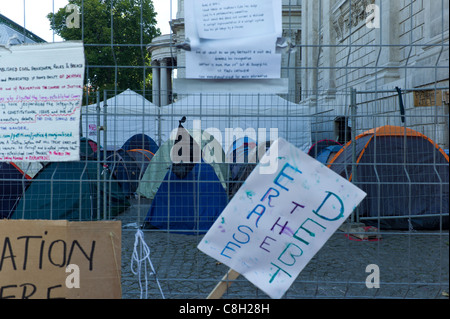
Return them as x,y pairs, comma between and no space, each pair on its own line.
412,265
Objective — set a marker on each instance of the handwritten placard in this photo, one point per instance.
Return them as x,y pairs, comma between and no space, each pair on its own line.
428,98
233,39
41,88
42,259
230,19
277,222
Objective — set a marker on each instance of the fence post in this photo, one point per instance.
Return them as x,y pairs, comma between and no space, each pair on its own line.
98,155
105,143
353,133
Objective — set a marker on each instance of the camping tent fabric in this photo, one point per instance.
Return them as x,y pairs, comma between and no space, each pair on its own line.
128,114
13,182
88,149
16,177
403,172
328,153
320,146
191,196
68,190
243,157
237,111
239,156
160,164
128,167
29,168
140,141
142,158
240,171
189,204
125,170
238,152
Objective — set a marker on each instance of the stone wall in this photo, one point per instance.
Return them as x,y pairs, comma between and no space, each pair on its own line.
409,50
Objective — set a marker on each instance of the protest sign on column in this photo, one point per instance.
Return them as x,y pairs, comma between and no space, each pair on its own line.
48,259
41,89
280,218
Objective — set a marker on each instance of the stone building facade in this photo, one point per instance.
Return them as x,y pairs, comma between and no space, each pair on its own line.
408,49
337,50
12,33
167,58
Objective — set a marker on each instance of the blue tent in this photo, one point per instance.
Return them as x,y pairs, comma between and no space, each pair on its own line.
140,141
327,153
191,203
318,147
191,195
125,170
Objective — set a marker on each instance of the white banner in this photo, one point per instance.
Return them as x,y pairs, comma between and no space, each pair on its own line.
41,90
277,222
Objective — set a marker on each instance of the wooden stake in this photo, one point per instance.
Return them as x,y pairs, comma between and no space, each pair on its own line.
222,286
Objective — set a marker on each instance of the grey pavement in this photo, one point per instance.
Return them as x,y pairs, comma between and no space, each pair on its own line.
412,265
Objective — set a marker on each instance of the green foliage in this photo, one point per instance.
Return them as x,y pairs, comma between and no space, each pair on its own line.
115,34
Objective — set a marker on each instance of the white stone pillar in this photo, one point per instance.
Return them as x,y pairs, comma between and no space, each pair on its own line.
310,39
329,51
164,97
155,83
169,83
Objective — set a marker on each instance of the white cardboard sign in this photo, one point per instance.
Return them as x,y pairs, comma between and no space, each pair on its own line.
277,222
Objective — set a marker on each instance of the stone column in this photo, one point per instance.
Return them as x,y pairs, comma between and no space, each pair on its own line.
329,51
388,37
434,51
310,38
155,83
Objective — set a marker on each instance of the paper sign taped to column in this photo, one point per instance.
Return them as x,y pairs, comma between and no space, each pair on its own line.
233,39
41,89
280,218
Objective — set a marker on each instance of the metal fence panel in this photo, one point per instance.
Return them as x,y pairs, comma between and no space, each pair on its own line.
359,65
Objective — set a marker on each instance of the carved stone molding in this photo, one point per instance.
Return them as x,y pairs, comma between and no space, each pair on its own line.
348,14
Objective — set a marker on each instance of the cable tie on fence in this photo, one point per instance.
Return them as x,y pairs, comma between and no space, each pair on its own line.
400,101
285,45
143,257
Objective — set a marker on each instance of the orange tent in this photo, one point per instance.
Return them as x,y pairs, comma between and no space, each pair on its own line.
404,173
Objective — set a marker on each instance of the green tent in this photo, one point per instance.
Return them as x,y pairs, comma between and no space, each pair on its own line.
160,164
70,190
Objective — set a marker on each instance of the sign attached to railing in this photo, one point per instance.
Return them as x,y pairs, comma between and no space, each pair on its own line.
277,222
45,259
41,89
233,39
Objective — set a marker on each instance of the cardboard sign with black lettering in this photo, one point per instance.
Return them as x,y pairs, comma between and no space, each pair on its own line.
43,259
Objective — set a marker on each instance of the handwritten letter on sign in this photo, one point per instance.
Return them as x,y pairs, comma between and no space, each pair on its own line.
41,88
233,39
276,223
